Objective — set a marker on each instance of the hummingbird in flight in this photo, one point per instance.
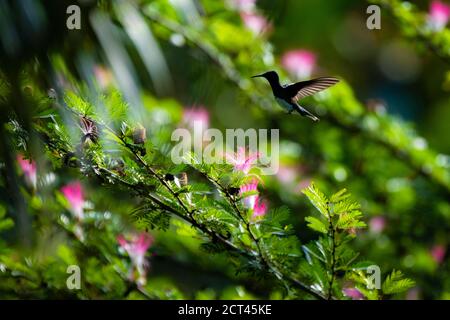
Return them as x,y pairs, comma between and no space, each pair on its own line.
287,96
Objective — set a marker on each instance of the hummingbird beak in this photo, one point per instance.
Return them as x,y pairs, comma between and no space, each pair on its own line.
259,75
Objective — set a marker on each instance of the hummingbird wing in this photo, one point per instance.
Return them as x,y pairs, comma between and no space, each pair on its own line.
303,89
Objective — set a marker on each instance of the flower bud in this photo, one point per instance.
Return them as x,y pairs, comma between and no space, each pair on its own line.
183,178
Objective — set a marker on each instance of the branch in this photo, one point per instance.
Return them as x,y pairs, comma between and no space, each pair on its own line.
332,235
187,215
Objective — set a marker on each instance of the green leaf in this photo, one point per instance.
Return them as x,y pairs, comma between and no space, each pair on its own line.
396,283
316,224
318,199
117,107
339,196
6,224
77,103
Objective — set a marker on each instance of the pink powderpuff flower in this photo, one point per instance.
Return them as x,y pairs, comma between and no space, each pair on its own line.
75,196
136,248
377,224
438,253
256,23
353,293
241,161
196,116
259,208
299,63
29,169
438,15
249,201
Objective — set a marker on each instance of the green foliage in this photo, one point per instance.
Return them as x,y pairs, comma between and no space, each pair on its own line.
331,255
396,283
264,247
5,223
116,138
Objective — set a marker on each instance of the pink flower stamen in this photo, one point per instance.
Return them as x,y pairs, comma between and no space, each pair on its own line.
136,248
28,168
259,208
353,293
250,200
74,194
241,161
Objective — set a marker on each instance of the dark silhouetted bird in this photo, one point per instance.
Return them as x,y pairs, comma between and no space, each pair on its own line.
288,96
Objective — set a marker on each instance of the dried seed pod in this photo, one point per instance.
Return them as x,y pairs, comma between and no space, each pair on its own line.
183,178
169,177
119,166
139,135
51,93
89,130
233,191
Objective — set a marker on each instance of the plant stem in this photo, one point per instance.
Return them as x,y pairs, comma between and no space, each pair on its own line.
265,261
332,235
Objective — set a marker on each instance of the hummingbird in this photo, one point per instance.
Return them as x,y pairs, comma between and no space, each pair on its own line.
287,96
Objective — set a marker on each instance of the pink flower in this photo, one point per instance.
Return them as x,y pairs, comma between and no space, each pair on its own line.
353,293
255,22
136,248
253,202
241,161
439,15
377,224
300,63
196,117
287,174
438,253
74,195
259,208
249,201
28,168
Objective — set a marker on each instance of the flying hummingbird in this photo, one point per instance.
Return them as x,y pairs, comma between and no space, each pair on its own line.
288,95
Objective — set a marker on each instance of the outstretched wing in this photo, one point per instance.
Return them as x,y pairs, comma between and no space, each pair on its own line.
303,89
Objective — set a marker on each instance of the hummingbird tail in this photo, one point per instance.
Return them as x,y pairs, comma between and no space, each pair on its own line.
306,113
313,117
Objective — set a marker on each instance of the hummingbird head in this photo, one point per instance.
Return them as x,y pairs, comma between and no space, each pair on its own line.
271,76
